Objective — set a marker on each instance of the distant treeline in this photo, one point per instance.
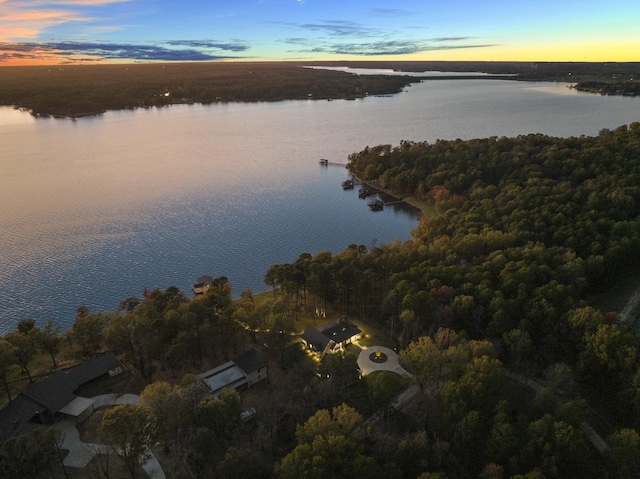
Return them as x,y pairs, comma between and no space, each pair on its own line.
629,88
536,71
77,90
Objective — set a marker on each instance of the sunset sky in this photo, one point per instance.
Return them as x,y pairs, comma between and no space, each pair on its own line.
89,31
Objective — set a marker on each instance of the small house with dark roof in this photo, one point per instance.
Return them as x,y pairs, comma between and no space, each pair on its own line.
98,367
54,397
331,337
53,393
20,416
240,373
202,285
253,365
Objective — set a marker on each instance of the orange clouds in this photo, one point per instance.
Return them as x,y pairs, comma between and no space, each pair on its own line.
21,19
58,16
68,2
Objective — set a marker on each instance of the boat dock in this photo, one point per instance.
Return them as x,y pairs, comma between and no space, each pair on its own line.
375,187
326,162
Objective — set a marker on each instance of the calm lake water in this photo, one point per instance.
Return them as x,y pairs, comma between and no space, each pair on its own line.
92,211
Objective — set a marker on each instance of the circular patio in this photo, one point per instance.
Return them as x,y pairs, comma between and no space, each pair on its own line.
368,365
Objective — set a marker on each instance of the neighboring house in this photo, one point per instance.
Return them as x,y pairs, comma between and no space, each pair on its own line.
54,397
331,337
240,373
202,285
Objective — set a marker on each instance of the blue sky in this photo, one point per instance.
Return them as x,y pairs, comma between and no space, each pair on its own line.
89,31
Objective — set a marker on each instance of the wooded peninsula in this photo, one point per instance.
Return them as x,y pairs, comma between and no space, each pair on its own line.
80,90
504,307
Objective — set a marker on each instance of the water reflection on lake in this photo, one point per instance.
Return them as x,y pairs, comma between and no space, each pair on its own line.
97,209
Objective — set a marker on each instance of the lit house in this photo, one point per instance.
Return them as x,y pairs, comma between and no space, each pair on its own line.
331,337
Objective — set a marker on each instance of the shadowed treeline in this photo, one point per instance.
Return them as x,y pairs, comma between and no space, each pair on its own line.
79,90
83,90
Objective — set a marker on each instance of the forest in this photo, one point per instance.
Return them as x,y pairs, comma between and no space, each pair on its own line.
79,90
629,88
530,71
72,91
493,306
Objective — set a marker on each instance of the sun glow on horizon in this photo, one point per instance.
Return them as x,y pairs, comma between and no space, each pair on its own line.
51,32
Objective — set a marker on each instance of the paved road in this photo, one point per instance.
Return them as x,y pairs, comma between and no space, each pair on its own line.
81,453
591,434
367,366
626,316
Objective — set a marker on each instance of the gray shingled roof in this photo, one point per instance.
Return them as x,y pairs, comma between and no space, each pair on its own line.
340,330
250,361
98,366
15,416
315,338
54,392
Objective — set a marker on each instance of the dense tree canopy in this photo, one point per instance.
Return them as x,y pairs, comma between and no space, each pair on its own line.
80,90
489,303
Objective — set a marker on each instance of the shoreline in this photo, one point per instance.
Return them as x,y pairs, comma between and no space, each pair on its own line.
424,207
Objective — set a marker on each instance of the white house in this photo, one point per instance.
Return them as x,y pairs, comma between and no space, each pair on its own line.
240,373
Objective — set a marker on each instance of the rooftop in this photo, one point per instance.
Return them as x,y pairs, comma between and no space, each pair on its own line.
340,330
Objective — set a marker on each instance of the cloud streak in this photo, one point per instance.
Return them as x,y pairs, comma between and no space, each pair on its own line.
29,19
338,28
196,50
20,19
391,11
338,37
233,47
384,47
22,4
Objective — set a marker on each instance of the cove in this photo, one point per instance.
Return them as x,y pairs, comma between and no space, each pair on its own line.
95,210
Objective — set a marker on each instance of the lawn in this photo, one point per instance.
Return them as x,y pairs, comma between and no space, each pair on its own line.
373,334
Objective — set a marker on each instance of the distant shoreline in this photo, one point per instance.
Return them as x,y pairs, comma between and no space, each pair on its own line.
77,91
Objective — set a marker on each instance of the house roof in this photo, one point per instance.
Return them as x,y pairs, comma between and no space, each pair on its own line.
340,330
250,361
231,376
56,390
234,373
15,416
53,392
76,407
205,279
93,369
315,338
202,284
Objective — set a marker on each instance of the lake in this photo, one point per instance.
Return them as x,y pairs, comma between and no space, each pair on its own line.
95,210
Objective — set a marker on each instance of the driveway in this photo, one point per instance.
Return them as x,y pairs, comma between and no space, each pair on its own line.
81,453
367,366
